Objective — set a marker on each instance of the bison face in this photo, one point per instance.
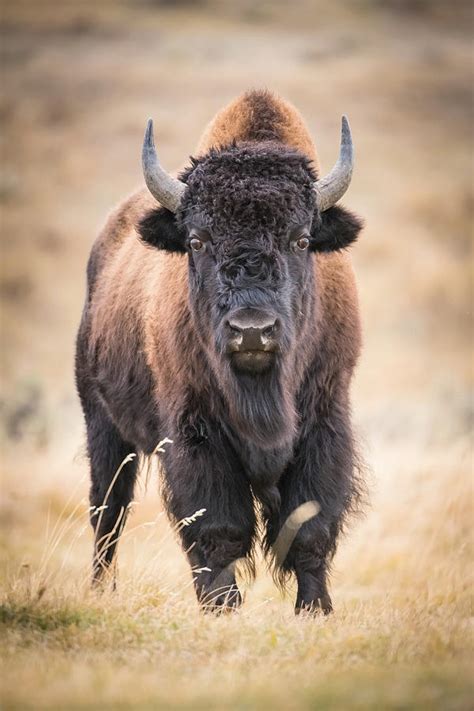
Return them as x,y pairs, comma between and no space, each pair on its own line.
249,223
247,290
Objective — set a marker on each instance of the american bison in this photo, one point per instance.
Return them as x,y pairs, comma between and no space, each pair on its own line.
222,313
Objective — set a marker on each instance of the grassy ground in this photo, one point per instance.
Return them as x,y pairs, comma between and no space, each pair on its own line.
79,81
400,637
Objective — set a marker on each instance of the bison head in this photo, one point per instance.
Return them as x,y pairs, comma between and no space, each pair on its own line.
249,216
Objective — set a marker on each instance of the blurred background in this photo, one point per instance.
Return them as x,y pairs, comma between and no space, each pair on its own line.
79,80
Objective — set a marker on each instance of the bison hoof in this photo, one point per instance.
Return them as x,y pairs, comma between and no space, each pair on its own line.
322,605
221,601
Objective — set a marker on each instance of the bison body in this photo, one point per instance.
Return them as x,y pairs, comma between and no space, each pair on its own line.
230,325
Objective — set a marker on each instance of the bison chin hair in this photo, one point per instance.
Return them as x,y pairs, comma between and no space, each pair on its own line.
261,407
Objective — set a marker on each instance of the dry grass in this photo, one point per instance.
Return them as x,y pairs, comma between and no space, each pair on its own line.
79,81
400,638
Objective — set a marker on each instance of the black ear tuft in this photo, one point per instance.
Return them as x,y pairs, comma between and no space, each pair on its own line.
336,228
159,229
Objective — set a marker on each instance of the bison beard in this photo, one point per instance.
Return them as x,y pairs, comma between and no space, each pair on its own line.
261,408
263,416
152,359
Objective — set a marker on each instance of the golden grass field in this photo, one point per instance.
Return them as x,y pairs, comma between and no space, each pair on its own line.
79,80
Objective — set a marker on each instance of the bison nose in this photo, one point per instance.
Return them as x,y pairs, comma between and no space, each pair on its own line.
253,331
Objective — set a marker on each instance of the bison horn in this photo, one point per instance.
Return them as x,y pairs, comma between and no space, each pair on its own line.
166,189
332,186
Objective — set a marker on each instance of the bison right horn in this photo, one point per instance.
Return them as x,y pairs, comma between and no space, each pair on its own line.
166,189
332,186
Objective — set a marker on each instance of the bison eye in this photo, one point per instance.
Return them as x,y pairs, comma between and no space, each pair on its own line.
196,244
302,243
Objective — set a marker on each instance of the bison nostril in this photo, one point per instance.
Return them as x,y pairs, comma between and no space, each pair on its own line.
268,332
233,328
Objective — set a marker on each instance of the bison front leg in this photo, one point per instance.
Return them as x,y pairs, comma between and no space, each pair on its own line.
322,471
218,548
113,474
203,472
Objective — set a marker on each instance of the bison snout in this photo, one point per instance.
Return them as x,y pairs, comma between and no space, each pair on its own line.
252,330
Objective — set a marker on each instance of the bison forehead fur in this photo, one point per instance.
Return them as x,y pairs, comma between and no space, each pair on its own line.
246,188
241,352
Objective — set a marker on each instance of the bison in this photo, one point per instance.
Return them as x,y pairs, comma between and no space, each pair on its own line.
222,313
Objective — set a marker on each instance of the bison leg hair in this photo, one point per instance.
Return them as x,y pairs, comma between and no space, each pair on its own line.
113,477
203,472
322,470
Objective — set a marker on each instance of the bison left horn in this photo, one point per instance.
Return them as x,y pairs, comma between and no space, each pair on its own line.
332,186
166,189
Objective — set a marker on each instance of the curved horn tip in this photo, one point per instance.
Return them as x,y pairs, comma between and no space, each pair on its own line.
331,187
345,128
166,189
149,132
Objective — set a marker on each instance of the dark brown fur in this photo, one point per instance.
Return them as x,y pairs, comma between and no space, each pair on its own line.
142,376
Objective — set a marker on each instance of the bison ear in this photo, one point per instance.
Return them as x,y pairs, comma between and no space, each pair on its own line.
335,228
159,229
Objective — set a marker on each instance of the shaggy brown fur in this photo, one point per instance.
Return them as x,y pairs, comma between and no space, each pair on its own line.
142,375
